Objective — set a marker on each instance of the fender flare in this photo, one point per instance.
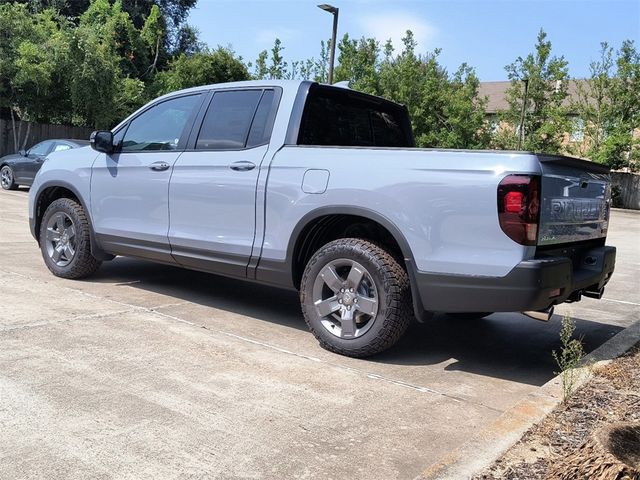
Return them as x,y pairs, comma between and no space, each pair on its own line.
96,251
374,216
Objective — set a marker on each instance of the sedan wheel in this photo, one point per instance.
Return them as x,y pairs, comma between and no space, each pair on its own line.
6,178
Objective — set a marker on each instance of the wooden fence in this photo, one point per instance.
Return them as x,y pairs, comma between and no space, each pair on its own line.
626,190
37,133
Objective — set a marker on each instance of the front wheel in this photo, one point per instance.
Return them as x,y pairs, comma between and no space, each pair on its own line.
65,240
7,179
356,298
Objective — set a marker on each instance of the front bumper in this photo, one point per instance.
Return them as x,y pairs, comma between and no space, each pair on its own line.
531,285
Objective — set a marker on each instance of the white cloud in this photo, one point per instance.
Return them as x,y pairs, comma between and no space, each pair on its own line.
394,25
266,37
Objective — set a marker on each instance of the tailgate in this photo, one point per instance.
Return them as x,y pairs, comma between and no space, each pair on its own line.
575,200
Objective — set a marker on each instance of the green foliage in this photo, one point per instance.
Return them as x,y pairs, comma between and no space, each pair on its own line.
569,357
93,62
609,104
545,119
202,68
445,109
278,67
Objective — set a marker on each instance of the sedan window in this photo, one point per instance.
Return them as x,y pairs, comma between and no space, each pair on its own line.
41,149
61,147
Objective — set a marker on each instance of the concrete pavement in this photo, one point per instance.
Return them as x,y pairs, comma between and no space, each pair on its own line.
149,371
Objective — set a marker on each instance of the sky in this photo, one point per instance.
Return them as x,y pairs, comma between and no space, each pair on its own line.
487,34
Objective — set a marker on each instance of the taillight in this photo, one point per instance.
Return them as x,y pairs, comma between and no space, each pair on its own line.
519,207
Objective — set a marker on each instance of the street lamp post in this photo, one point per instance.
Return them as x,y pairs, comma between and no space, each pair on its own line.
523,113
334,11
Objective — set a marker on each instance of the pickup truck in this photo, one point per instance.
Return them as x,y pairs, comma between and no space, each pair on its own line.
320,189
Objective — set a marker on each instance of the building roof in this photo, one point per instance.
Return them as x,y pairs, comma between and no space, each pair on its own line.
496,93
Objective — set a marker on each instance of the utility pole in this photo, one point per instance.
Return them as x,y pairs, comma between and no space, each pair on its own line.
523,113
334,11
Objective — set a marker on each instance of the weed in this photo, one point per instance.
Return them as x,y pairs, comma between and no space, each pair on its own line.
568,358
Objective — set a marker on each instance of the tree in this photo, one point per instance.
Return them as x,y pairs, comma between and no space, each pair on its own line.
152,35
278,68
261,70
216,66
445,110
358,63
546,121
34,51
608,104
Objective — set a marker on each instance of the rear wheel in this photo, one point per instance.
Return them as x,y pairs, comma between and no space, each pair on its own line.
355,297
7,179
65,240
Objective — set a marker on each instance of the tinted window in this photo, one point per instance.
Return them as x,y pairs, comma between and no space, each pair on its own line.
260,132
226,123
41,148
160,127
344,118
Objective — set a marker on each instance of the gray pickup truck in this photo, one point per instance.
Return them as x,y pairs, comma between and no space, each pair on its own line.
321,189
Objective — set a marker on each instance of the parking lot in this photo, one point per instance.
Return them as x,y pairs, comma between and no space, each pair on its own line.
149,371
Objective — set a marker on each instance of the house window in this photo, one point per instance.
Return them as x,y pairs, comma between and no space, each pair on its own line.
577,130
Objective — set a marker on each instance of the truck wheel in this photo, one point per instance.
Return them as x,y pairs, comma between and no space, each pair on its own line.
469,315
7,180
65,240
356,298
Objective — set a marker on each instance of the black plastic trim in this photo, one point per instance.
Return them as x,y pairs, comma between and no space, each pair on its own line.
295,119
527,287
281,272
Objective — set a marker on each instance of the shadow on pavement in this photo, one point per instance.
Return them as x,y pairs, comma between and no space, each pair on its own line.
504,345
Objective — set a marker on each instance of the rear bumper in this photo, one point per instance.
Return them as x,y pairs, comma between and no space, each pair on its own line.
529,286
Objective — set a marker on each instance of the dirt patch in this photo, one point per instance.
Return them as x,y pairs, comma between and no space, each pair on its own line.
573,430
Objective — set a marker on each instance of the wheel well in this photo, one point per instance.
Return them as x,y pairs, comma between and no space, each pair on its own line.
327,228
46,198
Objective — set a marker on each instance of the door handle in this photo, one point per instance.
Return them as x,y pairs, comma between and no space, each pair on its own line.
159,166
242,166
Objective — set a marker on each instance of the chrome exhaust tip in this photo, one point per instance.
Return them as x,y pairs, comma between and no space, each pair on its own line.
597,294
542,315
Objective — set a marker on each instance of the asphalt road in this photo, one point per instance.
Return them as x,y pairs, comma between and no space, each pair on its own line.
149,371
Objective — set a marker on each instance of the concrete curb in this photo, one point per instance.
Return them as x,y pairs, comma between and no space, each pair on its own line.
483,449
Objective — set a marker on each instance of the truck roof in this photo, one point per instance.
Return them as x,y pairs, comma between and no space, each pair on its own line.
291,84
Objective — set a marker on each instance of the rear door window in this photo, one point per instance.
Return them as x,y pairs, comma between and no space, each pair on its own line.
228,120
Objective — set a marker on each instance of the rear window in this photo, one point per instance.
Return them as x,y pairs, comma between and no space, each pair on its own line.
340,117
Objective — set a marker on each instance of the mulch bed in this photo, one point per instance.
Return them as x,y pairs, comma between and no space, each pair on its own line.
611,397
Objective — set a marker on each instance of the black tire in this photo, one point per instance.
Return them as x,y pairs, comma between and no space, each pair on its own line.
7,178
81,263
392,294
469,315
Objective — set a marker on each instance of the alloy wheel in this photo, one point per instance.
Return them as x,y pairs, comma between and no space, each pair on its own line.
345,298
61,239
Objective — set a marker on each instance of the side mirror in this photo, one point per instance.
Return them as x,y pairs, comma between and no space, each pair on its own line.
22,152
102,141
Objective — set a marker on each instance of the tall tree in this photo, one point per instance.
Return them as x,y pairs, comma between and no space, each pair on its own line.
206,67
545,119
358,63
278,67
